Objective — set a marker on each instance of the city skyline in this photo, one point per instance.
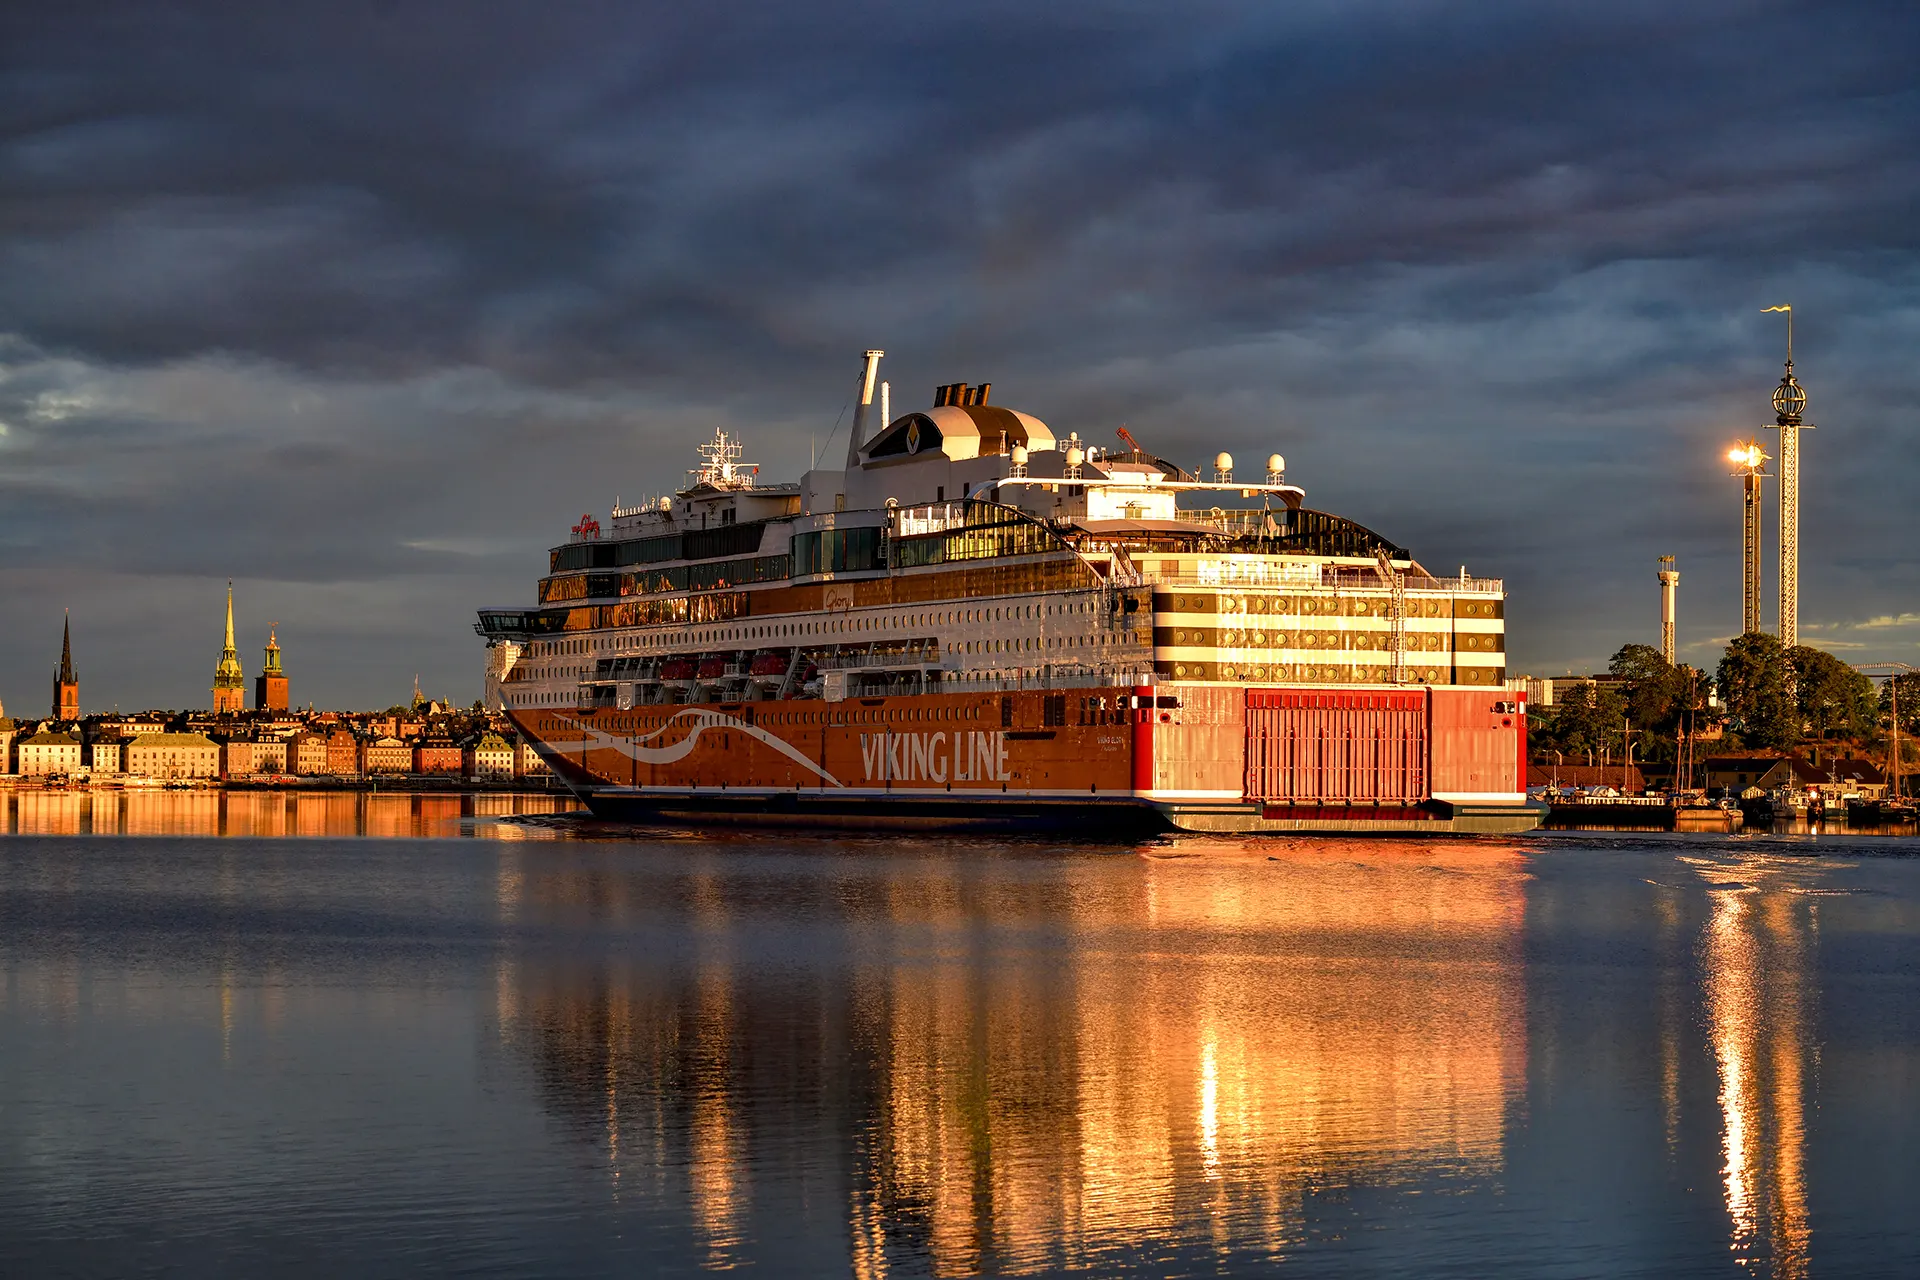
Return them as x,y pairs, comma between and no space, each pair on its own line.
368,339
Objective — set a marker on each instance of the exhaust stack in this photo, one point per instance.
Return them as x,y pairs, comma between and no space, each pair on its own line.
858,436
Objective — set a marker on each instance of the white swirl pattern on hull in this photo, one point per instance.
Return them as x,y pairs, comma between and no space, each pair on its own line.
703,720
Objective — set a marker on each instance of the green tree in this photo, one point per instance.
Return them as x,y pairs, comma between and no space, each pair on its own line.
1587,720
1753,684
1832,698
1909,690
1658,693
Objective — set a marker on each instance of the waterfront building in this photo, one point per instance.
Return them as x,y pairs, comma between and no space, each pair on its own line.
66,685
106,755
236,758
229,681
527,762
343,753
1835,780
434,754
173,755
270,688
49,751
307,753
385,755
269,755
488,756
8,732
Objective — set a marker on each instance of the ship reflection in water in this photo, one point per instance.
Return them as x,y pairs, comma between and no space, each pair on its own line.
1038,1077
213,812
664,1052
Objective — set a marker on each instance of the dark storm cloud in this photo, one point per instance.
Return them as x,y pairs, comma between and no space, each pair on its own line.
358,295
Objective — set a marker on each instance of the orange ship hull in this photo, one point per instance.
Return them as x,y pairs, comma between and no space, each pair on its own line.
1148,759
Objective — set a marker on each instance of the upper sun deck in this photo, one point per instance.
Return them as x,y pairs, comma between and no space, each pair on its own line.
966,480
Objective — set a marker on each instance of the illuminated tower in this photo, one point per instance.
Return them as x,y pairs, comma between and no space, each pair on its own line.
229,681
66,685
1789,402
270,686
1669,581
1751,467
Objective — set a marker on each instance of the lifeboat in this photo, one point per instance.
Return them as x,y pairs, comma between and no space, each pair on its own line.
713,666
677,669
769,662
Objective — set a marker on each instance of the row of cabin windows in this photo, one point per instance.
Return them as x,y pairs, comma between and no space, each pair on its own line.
983,582
834,626
855,550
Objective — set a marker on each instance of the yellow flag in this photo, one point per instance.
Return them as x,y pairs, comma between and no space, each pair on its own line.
1764,310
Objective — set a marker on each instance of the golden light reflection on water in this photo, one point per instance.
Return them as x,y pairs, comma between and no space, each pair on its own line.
1757,964
142,812
1044,1072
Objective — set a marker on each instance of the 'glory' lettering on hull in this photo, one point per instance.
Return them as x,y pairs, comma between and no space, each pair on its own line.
969,756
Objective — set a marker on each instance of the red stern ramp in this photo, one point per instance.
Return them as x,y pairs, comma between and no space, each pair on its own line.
1417,761
1321,748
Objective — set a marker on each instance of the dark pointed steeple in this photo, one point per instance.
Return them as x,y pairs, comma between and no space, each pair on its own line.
66,685
66,650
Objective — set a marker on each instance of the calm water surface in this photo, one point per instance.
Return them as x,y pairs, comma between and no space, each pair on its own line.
662,1053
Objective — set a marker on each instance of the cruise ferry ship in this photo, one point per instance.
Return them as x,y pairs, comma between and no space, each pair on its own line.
975,622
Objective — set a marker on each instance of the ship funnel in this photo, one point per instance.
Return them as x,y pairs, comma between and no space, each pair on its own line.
863,403
959,393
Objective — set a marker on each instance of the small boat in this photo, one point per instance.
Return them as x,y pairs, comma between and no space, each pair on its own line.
770,662
1878,813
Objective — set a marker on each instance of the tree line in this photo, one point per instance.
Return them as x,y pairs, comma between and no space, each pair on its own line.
1771,696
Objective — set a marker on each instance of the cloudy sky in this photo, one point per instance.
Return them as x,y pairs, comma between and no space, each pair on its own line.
362,304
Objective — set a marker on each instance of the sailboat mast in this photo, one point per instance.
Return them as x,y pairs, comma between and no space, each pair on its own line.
1893,692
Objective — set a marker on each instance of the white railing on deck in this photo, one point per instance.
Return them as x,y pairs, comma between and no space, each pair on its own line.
1233,575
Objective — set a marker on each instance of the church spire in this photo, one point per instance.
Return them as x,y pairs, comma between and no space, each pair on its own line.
66,685
229,681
